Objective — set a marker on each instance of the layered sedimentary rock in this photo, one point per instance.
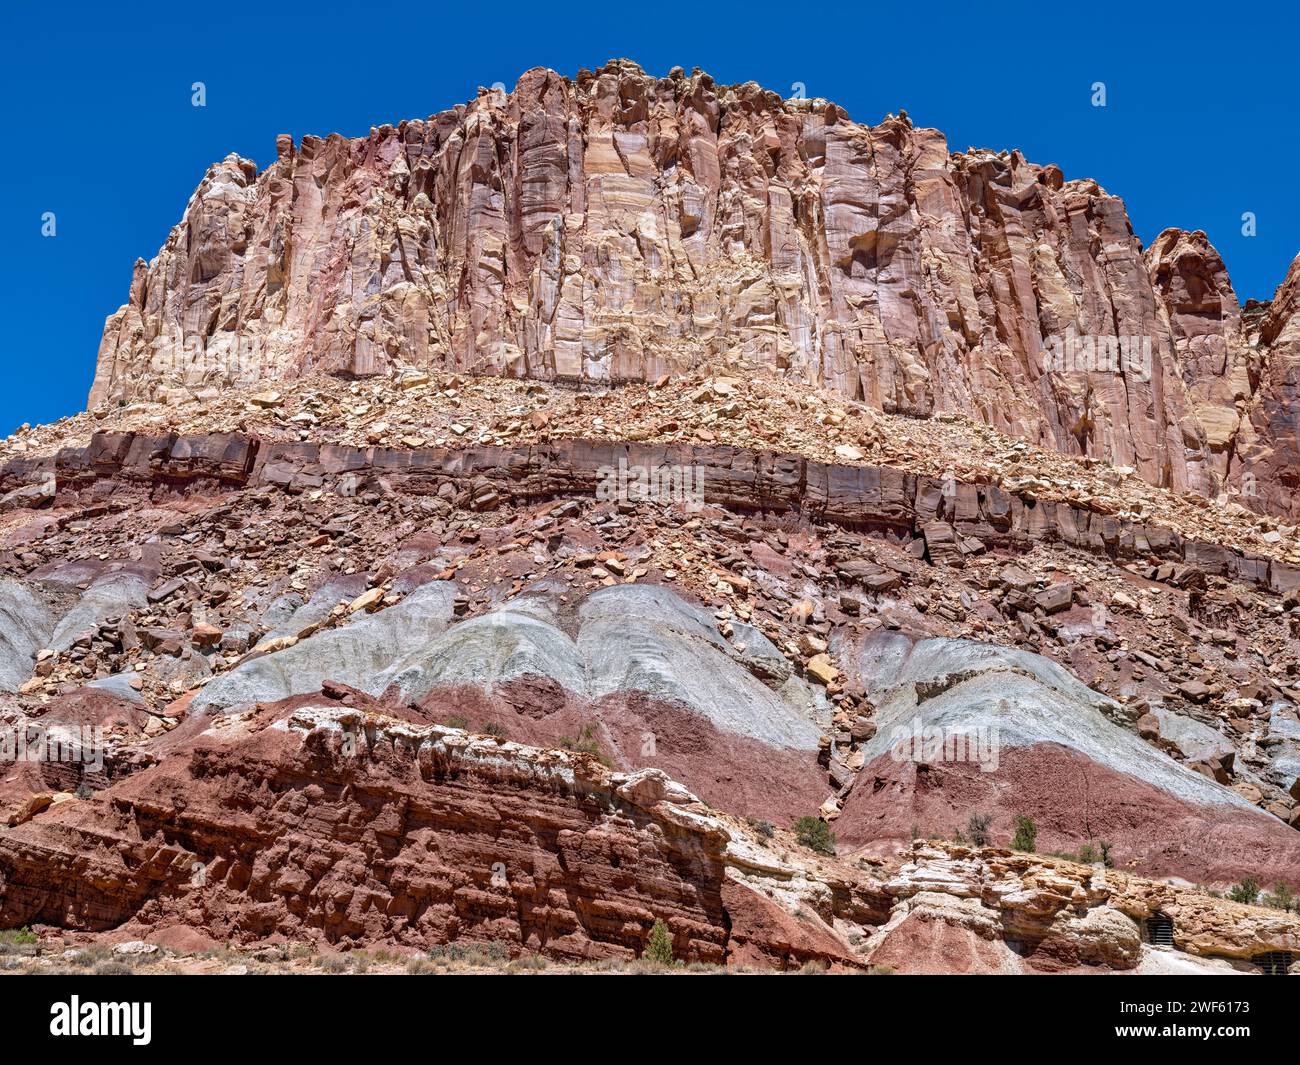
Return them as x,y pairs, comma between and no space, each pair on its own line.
390,662
973,910
362,695
637,671
130,577
328,820
322,819
940,513
619,226
964,726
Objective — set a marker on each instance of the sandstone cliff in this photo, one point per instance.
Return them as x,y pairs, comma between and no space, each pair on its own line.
619,226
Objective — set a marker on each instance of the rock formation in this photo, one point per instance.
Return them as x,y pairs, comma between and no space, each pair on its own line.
519,669
629,500
618,226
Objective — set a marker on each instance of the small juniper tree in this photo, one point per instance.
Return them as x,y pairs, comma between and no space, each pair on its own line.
815,834
1026,834
659,948
1283,898
1247,891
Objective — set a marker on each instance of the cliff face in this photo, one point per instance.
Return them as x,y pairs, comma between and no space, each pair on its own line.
623,227
283,686
425,818
1272,455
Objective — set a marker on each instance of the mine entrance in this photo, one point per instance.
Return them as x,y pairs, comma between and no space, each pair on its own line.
1160,930
1275,962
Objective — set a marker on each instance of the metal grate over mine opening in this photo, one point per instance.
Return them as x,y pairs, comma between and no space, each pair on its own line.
1275,962
1160,930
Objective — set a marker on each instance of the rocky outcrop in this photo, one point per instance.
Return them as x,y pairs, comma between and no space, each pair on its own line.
25,624
324,819
642,677
933,531
321,819
951,519
306,642
964,727
1270,452
218,571
1200,311
992,911
362,651
618,226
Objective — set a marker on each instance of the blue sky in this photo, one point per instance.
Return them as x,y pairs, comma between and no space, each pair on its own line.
1201,122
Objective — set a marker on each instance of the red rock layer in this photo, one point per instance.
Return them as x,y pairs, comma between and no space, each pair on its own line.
282,833
730,772
873,497
1073,801
279,825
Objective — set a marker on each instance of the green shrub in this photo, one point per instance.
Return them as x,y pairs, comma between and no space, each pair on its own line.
1026,834
18,941
586,743
659,947
815,834
1283,898
491,728
1247,891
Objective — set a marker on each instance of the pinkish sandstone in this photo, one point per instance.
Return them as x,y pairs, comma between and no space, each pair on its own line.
618,227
